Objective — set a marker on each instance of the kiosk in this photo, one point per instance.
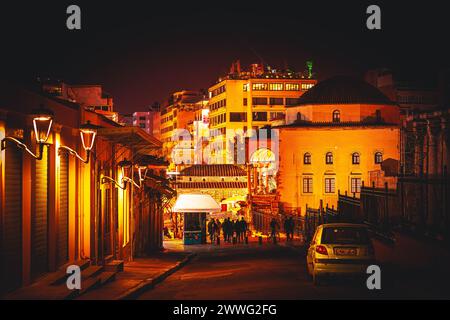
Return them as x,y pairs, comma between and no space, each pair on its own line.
194,208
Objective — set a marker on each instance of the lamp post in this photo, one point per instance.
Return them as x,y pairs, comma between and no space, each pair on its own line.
88,132
126,167
42,125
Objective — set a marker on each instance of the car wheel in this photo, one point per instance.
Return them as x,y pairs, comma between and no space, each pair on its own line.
309,271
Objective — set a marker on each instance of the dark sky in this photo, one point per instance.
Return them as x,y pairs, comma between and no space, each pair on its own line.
141,51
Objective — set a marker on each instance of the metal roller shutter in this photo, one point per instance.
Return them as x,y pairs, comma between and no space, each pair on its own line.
39,220
63,218
11,259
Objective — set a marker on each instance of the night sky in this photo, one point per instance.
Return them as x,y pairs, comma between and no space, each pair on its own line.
141,52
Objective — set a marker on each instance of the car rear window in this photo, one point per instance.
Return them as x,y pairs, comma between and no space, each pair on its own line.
345,235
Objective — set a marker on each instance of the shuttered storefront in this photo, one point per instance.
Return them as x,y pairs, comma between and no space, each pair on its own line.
39,219
63,217
11,246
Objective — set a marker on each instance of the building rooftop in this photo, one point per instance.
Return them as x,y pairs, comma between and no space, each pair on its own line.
343,90
213,170
212,185
318,124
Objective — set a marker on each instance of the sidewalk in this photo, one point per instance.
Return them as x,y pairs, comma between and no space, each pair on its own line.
140,275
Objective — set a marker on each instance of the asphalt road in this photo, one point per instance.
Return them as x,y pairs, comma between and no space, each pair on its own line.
266,272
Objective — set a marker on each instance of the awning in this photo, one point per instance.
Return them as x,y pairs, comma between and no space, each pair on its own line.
136,138
159,184
191,202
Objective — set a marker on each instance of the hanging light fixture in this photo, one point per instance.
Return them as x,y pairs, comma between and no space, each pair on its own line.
42,126
142,171
126,167
88,132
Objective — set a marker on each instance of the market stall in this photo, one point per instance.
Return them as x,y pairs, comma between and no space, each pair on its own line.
195,207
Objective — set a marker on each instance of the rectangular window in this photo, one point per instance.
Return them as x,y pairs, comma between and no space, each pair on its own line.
291,101
244,101
276,116
275,86
259,101
238,116
276,101
307,185
329,185
259,116
306,86
292,87
259,87
218,91
245,87
355,185
142,118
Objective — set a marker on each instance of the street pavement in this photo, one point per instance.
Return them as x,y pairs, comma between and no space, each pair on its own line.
271,271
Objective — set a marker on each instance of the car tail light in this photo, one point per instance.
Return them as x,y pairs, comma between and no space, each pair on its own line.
321,250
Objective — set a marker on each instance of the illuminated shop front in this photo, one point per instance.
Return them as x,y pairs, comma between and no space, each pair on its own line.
195,207
54,209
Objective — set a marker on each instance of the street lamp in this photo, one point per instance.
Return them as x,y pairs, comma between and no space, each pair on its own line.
42,125
126,167
88,132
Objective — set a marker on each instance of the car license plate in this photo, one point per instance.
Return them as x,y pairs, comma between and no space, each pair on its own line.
345,251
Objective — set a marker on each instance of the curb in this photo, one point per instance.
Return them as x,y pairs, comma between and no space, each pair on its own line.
151,282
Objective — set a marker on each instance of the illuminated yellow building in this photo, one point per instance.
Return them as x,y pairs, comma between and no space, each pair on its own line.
252,99
57,209
176,120
341,133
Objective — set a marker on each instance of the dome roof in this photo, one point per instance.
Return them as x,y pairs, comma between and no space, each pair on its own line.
343,90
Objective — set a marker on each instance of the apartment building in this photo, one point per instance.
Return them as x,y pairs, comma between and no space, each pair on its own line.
251,99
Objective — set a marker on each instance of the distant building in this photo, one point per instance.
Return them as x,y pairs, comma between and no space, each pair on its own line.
177,119
90,97
126,119
244,100
221,181
412,96
341,132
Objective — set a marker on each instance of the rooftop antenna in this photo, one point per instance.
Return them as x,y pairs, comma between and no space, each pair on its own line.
309,65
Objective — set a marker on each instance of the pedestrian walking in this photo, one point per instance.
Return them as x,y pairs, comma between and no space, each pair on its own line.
237,226
243,228
218,229
226,229
212,230
286,228
274,226
209,227
291,227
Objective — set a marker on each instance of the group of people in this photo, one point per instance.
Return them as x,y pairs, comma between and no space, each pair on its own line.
289,227
231,229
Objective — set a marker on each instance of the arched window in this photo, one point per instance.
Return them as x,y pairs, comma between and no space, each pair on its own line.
378,157
336,116
356,158
307,158
329,158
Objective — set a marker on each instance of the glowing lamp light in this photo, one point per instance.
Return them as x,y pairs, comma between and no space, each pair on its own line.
42,124
126,167
88,132
142,171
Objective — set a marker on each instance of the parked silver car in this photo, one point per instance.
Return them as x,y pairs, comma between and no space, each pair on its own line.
339,248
